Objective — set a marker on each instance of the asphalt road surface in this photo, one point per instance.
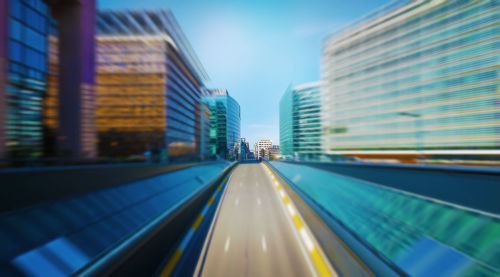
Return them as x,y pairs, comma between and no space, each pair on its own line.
251,234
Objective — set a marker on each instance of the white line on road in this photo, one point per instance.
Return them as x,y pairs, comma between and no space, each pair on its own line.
307,240
226,246
264,245
258,200
237,201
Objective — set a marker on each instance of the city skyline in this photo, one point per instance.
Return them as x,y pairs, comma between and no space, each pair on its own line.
119,156
267,47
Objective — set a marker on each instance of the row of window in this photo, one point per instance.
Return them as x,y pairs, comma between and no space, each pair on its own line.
457,81
424,52
414,22
414,38
32,12
358,85
429,99
28,57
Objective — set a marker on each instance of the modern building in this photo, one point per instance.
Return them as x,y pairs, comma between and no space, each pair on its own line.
225,120
23,76
243,150
24,26
262,147
274,152
414,75
204,131
148,85
286,123
300,123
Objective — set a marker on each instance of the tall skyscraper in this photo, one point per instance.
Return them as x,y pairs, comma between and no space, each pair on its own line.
148,86
3,76
414,75
286,123
300,124
23,76
225,120
24,26
204,131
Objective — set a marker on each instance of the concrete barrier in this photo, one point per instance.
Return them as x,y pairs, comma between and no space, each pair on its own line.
20,188
475,188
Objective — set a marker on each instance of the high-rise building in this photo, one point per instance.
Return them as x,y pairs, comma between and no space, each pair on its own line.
414,75
23,76
225,122
300,123
286,123
204,131
262,147
148,86
24,26
243,150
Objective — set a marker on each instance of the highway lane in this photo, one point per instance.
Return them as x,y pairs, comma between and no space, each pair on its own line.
252,234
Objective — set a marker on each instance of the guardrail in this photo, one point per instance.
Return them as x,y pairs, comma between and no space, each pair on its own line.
357,255
398,226
475,188
111,224
141,253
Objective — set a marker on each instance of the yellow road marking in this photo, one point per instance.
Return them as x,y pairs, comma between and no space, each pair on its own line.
171,264
211,200
320,264
297,221
197,221
286,200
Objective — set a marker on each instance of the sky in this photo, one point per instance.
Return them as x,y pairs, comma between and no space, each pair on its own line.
257,48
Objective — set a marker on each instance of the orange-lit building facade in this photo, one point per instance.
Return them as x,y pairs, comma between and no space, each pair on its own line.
148,88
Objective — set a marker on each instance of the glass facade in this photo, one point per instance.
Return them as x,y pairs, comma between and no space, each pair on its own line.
286,123
300,123
27,77
131,106
204,131
424,75
225,120
148,91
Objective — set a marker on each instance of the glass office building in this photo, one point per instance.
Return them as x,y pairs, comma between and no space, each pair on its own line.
300,123
225,120
24,70
286,123
148,86
412,75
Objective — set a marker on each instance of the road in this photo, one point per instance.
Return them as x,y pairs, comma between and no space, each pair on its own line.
251,234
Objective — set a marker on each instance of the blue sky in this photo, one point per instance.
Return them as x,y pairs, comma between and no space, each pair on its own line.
256,48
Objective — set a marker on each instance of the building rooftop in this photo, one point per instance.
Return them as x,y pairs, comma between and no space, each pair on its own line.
149,23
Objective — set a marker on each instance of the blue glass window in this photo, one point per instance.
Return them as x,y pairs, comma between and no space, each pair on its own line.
15,50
